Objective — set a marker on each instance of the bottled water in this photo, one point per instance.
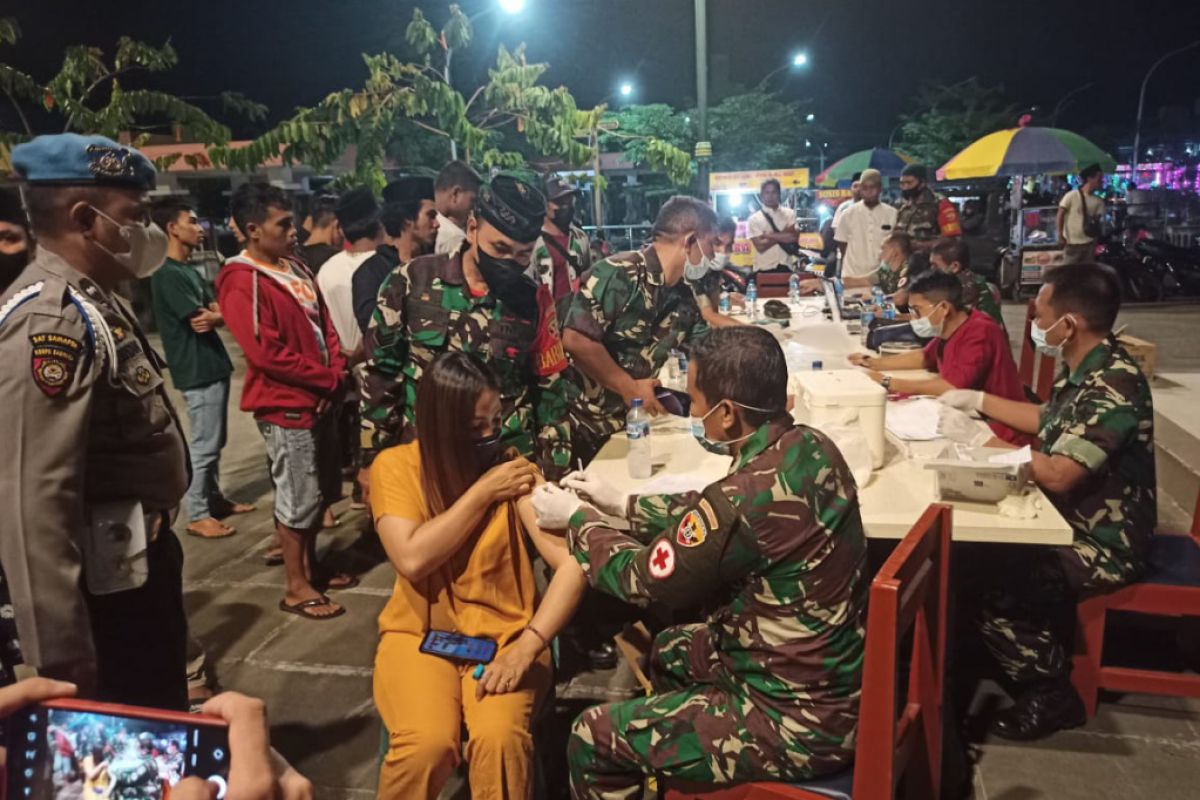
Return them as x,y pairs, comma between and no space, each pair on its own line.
637,430
865,319
752,299
877,296
724,301
673,365
794,287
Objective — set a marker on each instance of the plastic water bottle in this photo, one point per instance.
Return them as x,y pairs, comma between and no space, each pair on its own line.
794,288
673,366
752,299
838,289
877,296
637,430
889,312
683,367
725,301
865,319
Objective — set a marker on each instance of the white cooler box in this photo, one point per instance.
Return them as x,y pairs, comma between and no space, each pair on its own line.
967,475
825,396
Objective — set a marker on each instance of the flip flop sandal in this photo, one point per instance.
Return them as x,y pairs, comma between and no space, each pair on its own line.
316,602
272,558
349,583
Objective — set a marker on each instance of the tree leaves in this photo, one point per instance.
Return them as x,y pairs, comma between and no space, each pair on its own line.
419,34
10,31
458,32
951,117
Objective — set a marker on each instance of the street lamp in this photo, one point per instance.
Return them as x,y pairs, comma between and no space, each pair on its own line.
800,59
508,7
626,89
512,6
810,118
1137,131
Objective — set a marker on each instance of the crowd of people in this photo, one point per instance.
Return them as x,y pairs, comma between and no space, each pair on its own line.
456,350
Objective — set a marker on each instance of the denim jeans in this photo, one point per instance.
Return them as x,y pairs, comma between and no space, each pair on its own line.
207,408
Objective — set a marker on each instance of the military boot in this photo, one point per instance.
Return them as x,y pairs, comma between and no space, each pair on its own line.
1040,711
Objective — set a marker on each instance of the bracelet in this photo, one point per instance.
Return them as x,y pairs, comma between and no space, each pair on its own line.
535,632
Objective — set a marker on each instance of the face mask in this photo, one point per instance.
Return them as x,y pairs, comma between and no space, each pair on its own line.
508,281
563,217
488,451
147,247
1039,340
694,272
720,261
925,327
719,448
11,265
910,194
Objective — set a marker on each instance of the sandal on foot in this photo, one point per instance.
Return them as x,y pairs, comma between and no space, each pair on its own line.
272,557
343,582
299,609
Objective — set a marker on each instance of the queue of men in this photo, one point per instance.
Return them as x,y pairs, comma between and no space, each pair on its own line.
99,463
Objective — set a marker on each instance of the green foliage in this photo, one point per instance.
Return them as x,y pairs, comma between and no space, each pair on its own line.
757,130
638,125
10,31
458,33
420,35
951,117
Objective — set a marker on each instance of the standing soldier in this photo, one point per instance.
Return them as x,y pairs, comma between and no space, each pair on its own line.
923,215
95,462
478,300
767,686
563,251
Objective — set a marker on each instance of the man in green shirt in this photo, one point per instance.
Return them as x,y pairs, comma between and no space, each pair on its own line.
187,314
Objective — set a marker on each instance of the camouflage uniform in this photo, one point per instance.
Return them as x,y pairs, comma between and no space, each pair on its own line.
1101,416
624,304
767,686
978,295
426,309
541,264
928,218
704,289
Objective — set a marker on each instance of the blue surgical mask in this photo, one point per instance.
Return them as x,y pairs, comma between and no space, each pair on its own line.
1039,340
719,448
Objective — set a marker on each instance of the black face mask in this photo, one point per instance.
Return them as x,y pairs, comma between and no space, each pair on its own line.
563,217
488,451
911,194
507,280
11,265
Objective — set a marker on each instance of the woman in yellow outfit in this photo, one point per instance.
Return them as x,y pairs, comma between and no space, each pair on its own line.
453,517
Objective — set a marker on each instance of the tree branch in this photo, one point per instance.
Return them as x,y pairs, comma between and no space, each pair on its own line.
105,77
20,113
429,128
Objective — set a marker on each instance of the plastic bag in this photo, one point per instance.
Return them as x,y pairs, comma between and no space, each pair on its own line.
847,435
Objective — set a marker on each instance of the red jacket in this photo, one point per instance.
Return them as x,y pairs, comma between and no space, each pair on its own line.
286,375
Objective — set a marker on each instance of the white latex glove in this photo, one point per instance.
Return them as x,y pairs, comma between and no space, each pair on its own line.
963,399
554,506
959,427
604,496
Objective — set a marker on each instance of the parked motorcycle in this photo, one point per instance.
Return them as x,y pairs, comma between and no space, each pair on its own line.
1179,266
1142,279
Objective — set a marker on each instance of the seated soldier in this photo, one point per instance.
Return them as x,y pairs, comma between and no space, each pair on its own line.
952,256
705,278
1095,462
767,686
968,351
892,277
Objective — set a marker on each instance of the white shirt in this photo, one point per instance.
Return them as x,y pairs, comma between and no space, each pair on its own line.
450,237
773,256
336,281
1073,221
841,211
863,230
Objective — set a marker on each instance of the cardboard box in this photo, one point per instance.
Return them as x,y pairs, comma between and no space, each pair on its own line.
1143,352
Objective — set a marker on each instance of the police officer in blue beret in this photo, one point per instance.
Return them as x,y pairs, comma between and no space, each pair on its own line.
95,462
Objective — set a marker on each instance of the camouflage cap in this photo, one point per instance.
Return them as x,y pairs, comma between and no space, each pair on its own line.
512,206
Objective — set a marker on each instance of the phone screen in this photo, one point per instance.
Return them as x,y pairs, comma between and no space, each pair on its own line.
474,649
676,403
71,749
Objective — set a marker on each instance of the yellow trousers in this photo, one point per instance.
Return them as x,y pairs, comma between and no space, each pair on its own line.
424,700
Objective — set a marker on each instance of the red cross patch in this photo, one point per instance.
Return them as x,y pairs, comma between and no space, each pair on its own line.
662,560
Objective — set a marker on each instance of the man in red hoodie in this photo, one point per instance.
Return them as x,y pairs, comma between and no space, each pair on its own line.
294,368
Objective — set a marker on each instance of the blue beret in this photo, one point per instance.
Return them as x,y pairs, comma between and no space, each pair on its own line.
69,159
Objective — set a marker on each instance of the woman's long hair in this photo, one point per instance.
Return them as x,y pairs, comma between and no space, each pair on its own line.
446,399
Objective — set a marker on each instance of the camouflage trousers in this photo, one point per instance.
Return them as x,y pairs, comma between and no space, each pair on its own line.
1028,618
690,729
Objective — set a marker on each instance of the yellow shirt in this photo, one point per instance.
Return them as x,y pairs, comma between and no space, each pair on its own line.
485,589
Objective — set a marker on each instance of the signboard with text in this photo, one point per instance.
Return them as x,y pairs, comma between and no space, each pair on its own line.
751,181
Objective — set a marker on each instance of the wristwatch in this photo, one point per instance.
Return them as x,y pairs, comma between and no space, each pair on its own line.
887,383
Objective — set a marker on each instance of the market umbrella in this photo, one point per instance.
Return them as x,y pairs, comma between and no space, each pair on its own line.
841,174
1025,151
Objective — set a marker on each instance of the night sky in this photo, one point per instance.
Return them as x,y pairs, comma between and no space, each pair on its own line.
867,57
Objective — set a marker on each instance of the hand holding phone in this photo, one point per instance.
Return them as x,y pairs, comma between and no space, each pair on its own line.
457,647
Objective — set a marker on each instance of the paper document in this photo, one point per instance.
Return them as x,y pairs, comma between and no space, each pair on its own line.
914,420
1022,456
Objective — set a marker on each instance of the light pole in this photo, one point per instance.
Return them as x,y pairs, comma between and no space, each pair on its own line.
703,146
797,61
510,7
1137,130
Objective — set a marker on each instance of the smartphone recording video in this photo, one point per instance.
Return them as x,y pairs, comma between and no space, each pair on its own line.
73,750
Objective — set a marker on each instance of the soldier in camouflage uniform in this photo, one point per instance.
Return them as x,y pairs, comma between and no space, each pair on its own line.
476,301
953,256
563,251
1096,464
924,215
767,686
630,312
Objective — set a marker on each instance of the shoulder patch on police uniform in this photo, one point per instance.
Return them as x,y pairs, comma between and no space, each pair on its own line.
662,560
53,361
692,530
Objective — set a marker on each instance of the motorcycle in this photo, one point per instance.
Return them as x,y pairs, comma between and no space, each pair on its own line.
1179,266
1142,279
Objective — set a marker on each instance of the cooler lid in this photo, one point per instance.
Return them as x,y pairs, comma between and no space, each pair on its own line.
839,387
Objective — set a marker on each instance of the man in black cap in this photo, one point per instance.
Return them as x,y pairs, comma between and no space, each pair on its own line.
563,252
95,463
410,225
479,300
924,216
16,245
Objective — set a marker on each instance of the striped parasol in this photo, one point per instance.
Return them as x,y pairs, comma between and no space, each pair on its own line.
1025,151
841,174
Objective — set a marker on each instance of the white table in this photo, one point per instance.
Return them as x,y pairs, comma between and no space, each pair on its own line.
896,494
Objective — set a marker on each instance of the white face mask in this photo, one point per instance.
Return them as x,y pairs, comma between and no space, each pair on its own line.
925,327
694,272
1039,340
147,247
